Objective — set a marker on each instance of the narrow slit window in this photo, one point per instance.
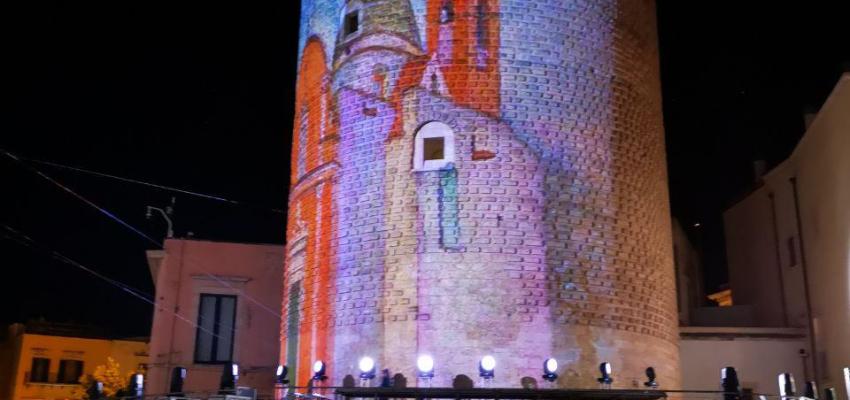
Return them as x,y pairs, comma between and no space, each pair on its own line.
352,23
447,12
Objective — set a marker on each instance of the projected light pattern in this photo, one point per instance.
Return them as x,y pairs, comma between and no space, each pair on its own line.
477,177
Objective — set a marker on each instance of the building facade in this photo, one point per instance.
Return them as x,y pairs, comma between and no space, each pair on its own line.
46,361
476,177
794,266
216,304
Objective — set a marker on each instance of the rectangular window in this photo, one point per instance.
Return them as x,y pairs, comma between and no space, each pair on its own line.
792,251
70,371
433,148
39,369
215,333
352,23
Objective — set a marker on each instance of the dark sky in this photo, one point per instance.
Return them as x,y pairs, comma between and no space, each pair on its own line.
200,97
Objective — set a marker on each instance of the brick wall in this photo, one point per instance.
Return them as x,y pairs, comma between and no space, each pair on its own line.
550,233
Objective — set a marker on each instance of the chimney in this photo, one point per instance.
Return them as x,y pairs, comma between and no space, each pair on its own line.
809,115
759,169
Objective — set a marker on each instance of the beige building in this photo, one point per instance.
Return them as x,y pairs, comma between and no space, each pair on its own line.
216,303
42,361
788,242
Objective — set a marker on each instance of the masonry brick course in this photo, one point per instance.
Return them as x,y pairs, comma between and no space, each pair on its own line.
549,235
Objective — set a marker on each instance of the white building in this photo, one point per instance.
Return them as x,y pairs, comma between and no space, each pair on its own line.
788,248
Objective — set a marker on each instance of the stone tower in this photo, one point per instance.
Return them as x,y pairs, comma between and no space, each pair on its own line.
476,177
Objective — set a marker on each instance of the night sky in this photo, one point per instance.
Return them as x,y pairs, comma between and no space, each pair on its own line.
200,97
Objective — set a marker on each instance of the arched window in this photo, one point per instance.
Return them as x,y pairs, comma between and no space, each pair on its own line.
434,148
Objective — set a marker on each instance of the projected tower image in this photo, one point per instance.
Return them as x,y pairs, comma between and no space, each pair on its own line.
474,177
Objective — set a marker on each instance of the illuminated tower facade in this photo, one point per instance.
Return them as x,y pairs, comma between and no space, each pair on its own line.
476,177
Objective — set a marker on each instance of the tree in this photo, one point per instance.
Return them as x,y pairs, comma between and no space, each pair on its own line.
114,382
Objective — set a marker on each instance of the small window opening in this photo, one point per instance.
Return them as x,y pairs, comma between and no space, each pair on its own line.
435,85
446,12
352,23
434,148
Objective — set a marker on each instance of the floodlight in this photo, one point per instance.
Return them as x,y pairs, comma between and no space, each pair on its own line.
550,369
487,367
650,378
319,368
280,374
367,368
425,365
605,372
787,388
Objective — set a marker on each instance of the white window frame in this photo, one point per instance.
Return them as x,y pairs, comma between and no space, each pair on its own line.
434,129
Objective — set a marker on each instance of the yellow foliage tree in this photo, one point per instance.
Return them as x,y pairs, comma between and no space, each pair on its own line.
114,382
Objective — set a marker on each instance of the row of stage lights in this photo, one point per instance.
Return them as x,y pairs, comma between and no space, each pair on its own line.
486,370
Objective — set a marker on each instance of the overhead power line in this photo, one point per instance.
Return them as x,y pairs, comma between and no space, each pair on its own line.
81,198
135,230
24,240
144,183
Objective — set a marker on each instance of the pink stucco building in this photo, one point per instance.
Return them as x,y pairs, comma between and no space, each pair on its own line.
216,303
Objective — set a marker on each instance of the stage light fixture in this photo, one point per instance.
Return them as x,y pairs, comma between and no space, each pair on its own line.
425,366
178,377
811,390
319,369
280,374
650,378
787,388
550,369
605,372
730,384
367,368
830,394
487,367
